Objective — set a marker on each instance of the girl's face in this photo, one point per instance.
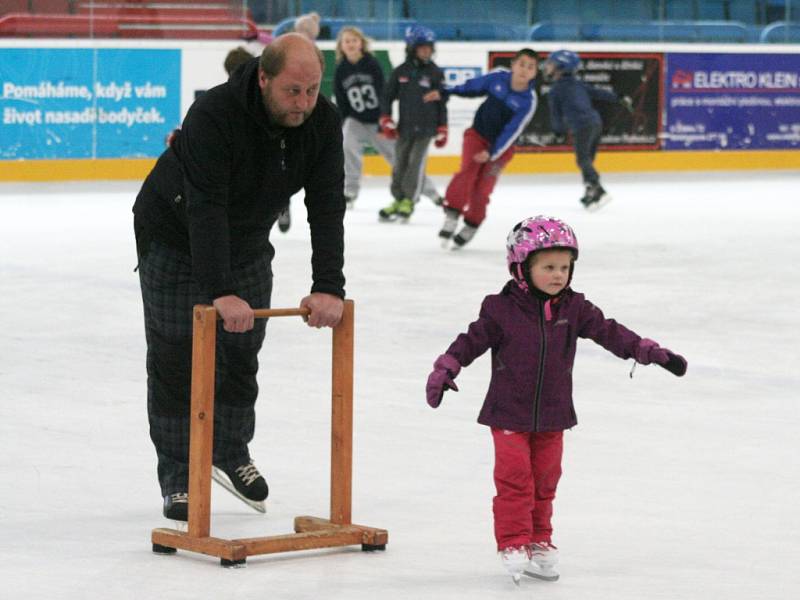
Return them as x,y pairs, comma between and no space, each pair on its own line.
352,47
550,270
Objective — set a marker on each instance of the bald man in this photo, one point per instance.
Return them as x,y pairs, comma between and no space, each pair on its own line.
202,221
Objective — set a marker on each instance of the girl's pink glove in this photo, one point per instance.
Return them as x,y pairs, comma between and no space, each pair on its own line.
649,351
445,369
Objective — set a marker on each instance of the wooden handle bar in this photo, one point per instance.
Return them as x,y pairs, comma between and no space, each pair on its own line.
263,313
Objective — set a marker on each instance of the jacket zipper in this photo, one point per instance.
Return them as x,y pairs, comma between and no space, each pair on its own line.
540,378
283,154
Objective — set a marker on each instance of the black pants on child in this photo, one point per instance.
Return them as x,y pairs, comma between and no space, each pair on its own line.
408,171
169,293
586,140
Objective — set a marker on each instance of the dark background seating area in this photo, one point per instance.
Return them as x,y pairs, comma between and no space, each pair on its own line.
728,21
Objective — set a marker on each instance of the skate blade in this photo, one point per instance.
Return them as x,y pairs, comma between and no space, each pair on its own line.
516,579
182,526
541,575
595,206
222,479
445,242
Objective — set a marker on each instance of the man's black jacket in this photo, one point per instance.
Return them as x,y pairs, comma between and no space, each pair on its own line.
217,190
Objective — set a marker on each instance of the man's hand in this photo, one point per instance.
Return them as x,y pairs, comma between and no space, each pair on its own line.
432,96
481,157
326,309
237,316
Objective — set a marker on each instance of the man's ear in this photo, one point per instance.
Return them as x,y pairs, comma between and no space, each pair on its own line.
262,79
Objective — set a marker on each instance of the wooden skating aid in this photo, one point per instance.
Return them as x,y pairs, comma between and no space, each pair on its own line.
310,532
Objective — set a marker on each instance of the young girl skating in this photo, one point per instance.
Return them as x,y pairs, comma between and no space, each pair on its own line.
532,327
358,86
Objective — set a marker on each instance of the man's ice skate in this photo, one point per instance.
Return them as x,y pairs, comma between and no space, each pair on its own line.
244,482
595,197
350,201
176,508
451,216
285,220
464,236
516,560
542,565
389,213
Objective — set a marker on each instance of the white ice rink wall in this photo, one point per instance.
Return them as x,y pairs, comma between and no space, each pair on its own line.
101,109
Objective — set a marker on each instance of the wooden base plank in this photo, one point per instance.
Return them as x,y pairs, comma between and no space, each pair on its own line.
312,533
172,538
309,540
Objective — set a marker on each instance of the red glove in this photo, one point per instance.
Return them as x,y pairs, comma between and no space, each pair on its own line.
440,141
388,127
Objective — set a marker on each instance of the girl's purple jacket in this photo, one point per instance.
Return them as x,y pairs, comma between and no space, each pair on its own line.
532,357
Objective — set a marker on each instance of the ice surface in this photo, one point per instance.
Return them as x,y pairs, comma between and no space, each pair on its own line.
672,488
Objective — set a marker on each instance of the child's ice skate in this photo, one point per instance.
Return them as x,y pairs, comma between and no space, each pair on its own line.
595,197
389,213
464,236
542,565
516,560
404,210
449,226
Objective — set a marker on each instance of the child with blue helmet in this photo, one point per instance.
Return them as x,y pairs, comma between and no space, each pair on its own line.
421,120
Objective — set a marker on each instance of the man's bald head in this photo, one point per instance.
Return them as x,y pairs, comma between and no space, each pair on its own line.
291,48
290,75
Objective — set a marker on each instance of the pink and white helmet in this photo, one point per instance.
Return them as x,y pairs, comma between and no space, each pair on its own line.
534,234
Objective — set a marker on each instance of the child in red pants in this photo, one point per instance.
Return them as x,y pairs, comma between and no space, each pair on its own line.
488,144
532,327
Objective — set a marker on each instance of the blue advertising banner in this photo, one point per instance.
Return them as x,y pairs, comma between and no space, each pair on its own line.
732,101
87,103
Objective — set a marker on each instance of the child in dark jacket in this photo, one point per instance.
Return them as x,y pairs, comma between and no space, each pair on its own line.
421,120
532,327
570,103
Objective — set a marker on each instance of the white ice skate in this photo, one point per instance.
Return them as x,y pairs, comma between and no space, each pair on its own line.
451,216
542,565
463,237
515,560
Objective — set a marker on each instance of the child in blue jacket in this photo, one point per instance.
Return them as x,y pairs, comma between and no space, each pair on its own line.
570,102
488,144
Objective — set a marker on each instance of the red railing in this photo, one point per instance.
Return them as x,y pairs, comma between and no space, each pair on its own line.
127,26
193,19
